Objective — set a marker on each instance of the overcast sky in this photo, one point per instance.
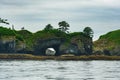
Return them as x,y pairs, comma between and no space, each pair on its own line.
101,15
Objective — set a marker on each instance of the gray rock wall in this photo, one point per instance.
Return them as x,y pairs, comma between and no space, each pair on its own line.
9,44
76,46
41,45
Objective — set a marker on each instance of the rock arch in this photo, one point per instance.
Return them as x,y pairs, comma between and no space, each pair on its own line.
42,44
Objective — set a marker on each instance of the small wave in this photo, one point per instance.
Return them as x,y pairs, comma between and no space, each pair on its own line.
61,68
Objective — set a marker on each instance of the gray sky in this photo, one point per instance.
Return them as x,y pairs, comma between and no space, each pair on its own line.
101,15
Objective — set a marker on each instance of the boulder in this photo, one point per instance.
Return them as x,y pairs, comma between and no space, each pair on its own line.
50,51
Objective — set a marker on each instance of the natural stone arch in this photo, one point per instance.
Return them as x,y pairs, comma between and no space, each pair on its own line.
42,45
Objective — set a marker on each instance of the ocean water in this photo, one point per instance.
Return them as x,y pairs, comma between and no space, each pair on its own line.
59,70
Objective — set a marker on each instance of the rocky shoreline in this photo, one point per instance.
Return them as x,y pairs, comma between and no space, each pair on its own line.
66,57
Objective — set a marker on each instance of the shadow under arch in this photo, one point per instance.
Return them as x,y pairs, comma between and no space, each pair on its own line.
42,45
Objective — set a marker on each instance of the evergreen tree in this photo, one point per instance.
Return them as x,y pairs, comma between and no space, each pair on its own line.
63,26
88,31
48,27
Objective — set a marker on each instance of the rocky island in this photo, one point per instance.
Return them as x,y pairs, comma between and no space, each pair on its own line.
23,44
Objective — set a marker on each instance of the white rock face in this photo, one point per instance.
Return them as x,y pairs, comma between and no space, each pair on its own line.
50,51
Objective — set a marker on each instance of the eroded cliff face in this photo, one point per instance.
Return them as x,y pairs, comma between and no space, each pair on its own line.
23,41
108,44
76,46
106,47
9,44
42,44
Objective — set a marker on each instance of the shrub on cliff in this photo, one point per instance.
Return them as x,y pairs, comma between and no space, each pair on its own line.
64,26
24,33
48,27
113,36
6,32
88,32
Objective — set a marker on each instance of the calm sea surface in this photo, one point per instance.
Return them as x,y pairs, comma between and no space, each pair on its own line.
59,70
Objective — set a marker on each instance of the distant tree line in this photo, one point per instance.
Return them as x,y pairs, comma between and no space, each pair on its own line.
64,27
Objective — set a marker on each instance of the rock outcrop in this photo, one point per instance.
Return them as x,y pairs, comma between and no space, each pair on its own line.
23,41
42,44
9,44
76,46
108,44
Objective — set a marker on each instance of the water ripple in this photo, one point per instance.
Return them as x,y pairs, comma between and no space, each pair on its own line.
59,70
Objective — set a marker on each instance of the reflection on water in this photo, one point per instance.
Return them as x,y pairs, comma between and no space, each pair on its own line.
59,70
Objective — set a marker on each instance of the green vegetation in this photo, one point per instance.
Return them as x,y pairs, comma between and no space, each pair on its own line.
108,43
48,27
24,41
26,37
88,32
48,32
25,34
64,26
56,33
75,34
6,32
113,36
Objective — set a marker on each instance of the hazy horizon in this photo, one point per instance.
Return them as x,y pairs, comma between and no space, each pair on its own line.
101,15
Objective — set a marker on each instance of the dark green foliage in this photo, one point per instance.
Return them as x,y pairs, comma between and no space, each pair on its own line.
58,33
64,26
75,34
109,43
27,37
51,33
19,37
24,33
3,21
48,27
88,32
42,35
24,37
113,36
6,32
